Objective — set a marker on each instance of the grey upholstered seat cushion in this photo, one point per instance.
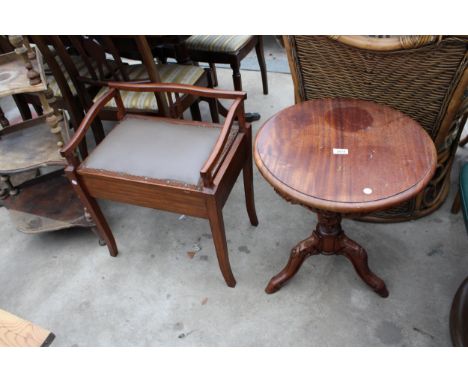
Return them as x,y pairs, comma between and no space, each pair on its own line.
155,148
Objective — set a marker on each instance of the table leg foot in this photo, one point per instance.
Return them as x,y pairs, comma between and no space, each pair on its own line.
358,257
252,117
329,239
299,253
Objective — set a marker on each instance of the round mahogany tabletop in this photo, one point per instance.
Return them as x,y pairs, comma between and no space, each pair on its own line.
345,155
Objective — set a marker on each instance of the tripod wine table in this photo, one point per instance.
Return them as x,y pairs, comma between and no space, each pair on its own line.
342,157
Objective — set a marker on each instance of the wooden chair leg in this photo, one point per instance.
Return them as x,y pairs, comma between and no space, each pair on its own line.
456,206
102,227
214,110
214,75
261,63
236,76
212,102
195,111
23,107
247,173
94,210
38,109
215,216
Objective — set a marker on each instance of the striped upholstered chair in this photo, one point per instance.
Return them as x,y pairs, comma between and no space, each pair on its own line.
224,49
169,73
90,74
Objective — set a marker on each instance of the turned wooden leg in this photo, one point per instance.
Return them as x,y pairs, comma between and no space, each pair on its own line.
215,216
91,206
247,172
236,76
358,257
214,75
261,63
299,253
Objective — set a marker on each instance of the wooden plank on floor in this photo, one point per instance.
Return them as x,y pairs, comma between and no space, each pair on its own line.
15,331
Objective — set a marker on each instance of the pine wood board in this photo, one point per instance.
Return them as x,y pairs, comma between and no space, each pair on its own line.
17,332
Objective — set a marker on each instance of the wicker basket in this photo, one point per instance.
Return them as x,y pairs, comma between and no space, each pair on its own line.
422,76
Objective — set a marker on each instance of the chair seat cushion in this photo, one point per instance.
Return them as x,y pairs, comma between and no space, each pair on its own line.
217,43
171,73
464,193
156,148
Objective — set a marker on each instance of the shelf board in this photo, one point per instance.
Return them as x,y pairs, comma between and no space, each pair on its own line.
27,146
13,74
47,203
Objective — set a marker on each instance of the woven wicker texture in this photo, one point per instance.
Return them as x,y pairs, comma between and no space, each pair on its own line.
419,79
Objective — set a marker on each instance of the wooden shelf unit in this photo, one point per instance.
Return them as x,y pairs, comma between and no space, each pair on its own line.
47,202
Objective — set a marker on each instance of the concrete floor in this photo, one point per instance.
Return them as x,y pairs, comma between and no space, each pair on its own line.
154,294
